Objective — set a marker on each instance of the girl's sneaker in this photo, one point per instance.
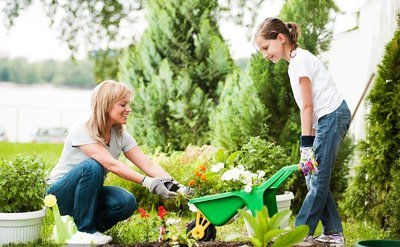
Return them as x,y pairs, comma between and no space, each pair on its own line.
336,238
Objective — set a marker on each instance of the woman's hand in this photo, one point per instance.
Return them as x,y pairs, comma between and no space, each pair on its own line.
157,186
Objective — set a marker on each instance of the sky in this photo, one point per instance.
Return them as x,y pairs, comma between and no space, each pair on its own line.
32,38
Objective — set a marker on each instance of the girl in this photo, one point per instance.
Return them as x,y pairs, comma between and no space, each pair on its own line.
323,112
91,149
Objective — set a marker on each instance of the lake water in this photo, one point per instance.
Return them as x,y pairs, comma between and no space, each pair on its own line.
25,108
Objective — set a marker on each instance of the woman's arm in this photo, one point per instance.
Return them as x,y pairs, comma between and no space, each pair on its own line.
144,163
307,109
101,155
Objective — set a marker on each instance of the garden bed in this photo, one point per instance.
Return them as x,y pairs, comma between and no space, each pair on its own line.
214,243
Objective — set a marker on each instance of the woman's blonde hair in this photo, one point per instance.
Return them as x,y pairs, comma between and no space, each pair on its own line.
105,95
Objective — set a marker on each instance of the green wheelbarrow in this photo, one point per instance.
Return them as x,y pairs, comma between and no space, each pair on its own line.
217,210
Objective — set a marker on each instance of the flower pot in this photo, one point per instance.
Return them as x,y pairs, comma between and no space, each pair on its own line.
21,227
283,202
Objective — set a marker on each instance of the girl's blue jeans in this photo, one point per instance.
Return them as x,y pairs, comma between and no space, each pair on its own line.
319,203
94,207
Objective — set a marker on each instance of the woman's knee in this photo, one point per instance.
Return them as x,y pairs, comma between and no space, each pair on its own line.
93,168
130,205
127,204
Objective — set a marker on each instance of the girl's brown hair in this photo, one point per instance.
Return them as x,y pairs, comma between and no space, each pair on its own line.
271,27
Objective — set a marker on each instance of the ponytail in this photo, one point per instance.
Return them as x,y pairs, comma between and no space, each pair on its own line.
271,27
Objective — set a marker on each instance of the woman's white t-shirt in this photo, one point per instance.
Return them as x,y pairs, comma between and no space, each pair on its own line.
326,98
78,135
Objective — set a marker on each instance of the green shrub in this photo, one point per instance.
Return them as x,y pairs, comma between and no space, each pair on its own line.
258,154
239,115
23,183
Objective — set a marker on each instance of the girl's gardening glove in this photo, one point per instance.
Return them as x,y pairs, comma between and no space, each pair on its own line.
157,186
308,164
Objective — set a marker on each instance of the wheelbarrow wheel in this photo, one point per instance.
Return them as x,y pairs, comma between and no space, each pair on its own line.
209,234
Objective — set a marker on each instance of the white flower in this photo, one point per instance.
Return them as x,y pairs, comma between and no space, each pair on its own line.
81,238
248,188
247,177
260,174
217,167
232,174
171,221
240,167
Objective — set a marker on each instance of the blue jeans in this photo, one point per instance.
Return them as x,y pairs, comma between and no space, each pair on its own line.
94,207
319,203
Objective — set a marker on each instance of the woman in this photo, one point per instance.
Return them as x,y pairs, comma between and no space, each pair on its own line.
91,149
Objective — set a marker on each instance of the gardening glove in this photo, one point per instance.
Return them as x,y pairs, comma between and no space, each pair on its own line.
157,186
308,164
179,188
185,190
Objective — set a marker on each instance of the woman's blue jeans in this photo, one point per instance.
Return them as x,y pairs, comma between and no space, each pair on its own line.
94,207
319,203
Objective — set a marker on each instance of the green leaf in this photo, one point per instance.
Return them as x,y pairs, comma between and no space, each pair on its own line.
256,242
231,158
280,217
292,237
272,233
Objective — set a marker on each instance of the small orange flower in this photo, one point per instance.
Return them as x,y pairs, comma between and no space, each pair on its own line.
192,182
203,177
202,168
197,173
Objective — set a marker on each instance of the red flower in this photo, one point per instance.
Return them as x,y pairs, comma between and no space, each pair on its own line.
143,213
162,212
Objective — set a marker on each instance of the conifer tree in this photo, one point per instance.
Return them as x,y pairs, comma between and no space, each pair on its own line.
175,70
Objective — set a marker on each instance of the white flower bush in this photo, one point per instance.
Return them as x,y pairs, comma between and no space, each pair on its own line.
217,167
238,174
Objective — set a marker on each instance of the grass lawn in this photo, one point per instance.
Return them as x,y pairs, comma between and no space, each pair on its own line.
124,234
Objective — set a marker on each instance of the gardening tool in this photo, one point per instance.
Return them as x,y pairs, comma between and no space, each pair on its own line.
217,210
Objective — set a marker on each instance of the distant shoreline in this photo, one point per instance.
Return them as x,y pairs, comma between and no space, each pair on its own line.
39,84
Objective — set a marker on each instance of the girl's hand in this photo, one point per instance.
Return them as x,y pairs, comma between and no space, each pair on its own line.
308,164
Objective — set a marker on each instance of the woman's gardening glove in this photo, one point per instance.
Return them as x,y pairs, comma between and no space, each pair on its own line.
308,163
158,186
179,188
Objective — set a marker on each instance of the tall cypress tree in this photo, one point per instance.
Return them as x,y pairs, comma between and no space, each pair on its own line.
374,193
175,70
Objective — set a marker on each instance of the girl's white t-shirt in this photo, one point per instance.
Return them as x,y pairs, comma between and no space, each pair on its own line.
326,97
78,135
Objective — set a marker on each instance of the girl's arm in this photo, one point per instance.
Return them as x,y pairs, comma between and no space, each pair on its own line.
307,109
137,157
101,155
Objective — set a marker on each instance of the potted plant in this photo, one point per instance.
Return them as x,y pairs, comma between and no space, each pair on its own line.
22,183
